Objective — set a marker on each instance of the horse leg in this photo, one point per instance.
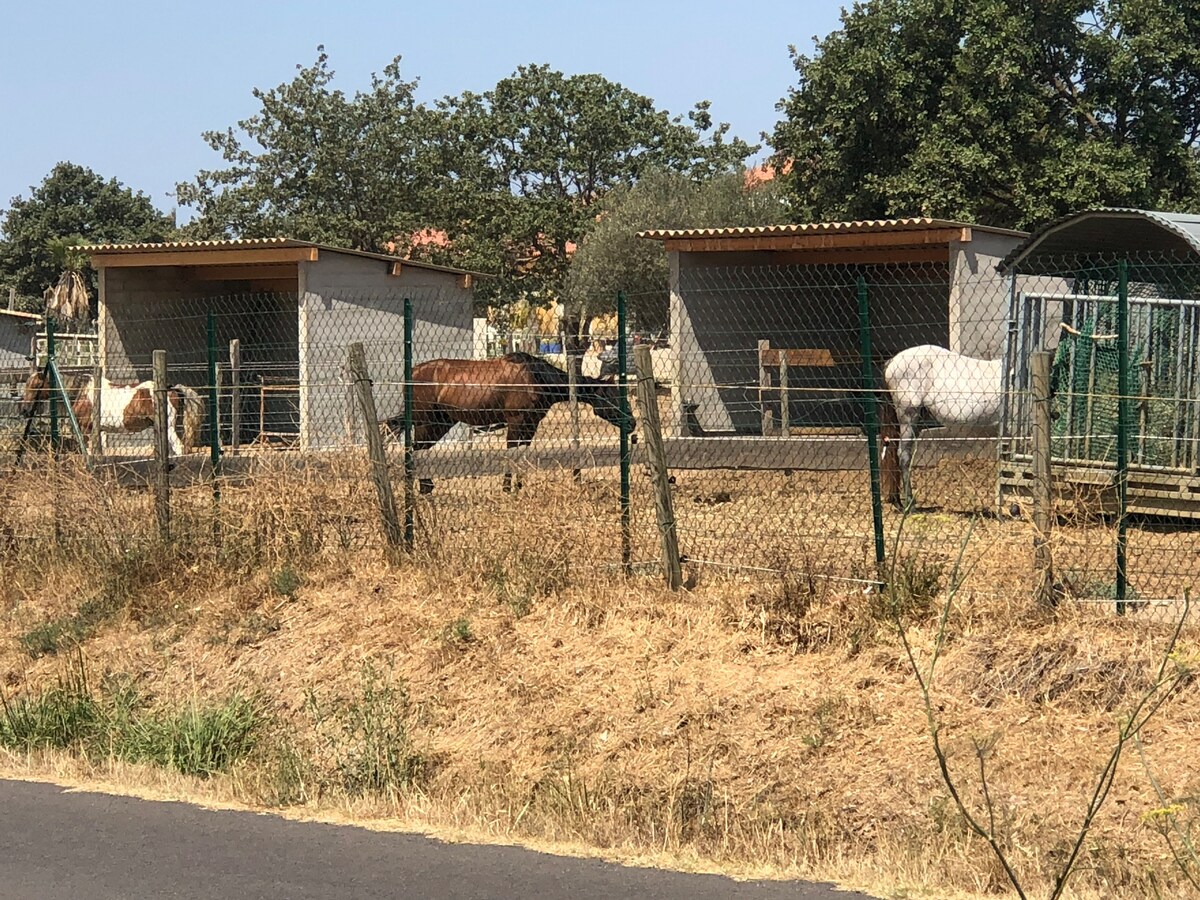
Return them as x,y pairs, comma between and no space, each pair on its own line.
888,452
908,440
426,433
520,434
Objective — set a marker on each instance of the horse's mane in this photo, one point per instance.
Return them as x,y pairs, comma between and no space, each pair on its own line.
546,373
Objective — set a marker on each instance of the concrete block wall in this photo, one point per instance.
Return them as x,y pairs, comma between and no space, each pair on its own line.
347,299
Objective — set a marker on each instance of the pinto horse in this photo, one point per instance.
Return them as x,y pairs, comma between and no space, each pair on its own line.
932,382
124,408
515,391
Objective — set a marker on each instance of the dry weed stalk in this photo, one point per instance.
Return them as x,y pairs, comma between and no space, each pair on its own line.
1163,688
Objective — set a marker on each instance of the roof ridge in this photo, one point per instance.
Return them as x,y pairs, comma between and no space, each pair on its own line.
859,225
1169,221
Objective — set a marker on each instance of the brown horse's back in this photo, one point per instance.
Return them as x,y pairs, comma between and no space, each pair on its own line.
475,391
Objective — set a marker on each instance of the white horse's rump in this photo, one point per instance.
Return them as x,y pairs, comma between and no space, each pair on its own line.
946,386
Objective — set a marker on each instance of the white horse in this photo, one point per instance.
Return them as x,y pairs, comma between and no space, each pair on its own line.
941,384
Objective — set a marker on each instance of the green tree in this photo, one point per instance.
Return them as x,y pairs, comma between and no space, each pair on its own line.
315,164
74,205
613,258
509,176
523,165
1005,112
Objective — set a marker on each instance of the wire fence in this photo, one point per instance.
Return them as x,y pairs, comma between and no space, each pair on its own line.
809,415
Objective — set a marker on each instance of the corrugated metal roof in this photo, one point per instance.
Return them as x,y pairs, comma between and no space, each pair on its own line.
1107,231
256,243
858,227
201,245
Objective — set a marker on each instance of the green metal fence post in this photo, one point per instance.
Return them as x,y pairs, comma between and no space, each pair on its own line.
409,463
1123,417
50,384
626,428
214,425
871,419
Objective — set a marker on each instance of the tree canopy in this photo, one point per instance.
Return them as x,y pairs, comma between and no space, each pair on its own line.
317,165
612,258
509,176
1004,112
75,205
533,155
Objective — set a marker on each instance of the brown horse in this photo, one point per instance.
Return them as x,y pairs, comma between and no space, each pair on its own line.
123,408
515,391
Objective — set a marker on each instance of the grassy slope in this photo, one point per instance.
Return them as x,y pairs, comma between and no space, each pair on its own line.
516,690
625,719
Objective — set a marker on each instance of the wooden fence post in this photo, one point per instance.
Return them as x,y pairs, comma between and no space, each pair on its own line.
379,472
648,402
162,448
95,440
785,424
235,395
574,368
1039,371
764,388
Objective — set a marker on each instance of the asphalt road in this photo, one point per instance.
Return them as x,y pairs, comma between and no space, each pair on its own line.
56,845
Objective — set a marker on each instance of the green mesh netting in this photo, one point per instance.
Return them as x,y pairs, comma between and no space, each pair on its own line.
1086,391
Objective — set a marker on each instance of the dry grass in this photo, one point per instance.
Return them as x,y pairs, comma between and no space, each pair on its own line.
506,683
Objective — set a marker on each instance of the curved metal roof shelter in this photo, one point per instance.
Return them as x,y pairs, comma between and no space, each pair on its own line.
1108,232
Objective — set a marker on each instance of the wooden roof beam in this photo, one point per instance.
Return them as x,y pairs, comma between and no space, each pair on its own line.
242,273
251,256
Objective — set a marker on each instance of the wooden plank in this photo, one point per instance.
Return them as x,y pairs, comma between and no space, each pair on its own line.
187,258
785,401
660,477
274,285
357,362
922,256
764,389
1039,367
242,273
162,448
818,357
235,394
1175,495
96,438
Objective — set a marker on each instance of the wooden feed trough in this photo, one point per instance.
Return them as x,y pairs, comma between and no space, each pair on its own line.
783,361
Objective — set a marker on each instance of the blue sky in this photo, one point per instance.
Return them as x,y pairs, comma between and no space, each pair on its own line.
126,88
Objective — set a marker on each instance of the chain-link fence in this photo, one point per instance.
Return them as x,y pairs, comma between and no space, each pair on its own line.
800,405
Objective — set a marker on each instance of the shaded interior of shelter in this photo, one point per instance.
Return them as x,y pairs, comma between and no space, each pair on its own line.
733,307
168,308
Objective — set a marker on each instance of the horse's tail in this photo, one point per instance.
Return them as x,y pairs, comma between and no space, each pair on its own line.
193,416
889,455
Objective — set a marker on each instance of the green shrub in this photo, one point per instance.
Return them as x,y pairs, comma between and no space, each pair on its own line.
65,716
368,738
197,740
285,581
